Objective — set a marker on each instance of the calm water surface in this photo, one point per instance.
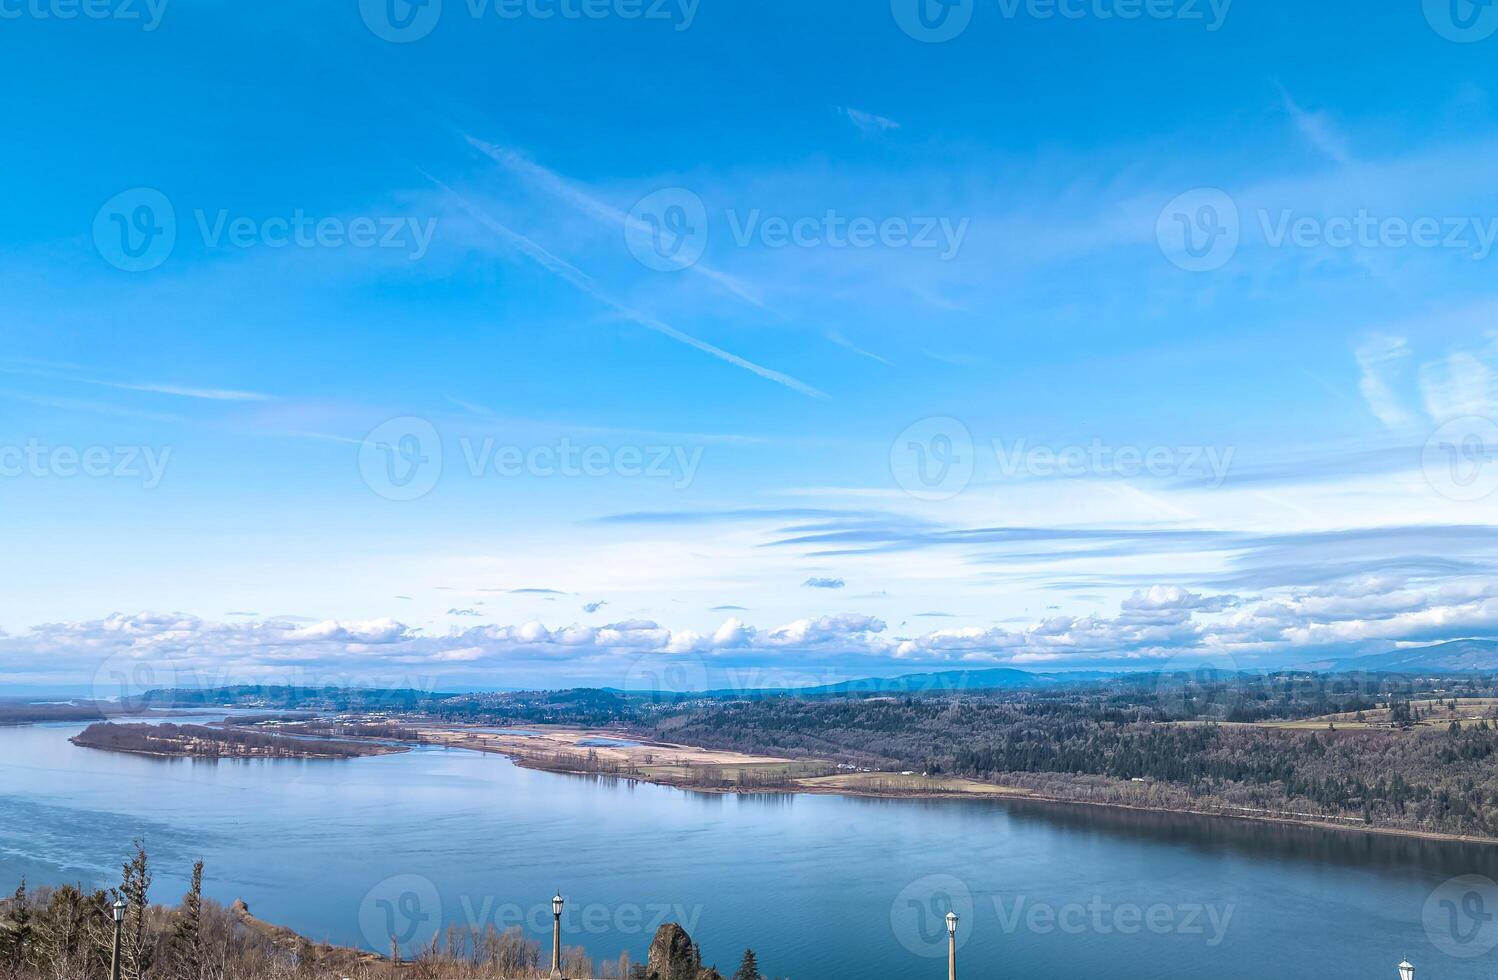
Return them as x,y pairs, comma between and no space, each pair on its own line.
822,887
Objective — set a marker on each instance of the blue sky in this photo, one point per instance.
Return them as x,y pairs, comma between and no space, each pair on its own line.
543,343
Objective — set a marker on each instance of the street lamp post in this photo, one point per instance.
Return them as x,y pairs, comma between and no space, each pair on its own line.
951,946
119,921
1406,970
556,937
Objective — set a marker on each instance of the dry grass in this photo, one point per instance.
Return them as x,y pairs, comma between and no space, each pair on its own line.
915,785
1436,714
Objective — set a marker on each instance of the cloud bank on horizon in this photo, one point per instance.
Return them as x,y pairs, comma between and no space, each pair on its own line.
772,369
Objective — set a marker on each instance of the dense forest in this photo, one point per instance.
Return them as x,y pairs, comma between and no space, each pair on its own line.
1368,749
1430,766
217,742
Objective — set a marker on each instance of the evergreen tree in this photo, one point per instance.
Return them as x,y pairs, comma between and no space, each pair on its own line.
135,945
748,969
187,935
686,967
16,934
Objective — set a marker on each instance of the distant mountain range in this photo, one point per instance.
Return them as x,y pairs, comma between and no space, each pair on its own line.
995,679
1454,657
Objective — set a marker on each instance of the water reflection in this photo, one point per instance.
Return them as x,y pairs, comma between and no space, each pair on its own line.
816,884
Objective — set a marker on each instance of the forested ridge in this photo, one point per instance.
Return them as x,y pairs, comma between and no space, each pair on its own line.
1416,770
1368,749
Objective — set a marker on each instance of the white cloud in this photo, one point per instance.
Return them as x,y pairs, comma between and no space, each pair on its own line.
1152,625
1381,359
1462,383
1318,130
867,122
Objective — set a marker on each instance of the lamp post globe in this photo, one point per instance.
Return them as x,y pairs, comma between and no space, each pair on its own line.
1406,970
556,937
951,946
119,920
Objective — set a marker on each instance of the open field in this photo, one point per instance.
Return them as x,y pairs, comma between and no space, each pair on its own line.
894,783
602,751
1432,713
576,750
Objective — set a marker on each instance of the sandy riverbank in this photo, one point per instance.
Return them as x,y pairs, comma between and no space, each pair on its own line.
567,751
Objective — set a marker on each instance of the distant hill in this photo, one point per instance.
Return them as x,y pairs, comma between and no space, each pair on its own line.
994,679
1454,657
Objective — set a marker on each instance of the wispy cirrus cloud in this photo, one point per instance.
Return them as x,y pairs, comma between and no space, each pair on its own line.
868,123
582,281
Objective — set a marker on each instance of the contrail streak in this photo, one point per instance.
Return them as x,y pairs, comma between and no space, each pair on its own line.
565,270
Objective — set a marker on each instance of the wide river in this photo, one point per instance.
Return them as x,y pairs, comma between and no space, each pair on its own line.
822,887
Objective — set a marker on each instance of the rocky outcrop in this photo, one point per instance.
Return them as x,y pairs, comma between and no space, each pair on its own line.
673,956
